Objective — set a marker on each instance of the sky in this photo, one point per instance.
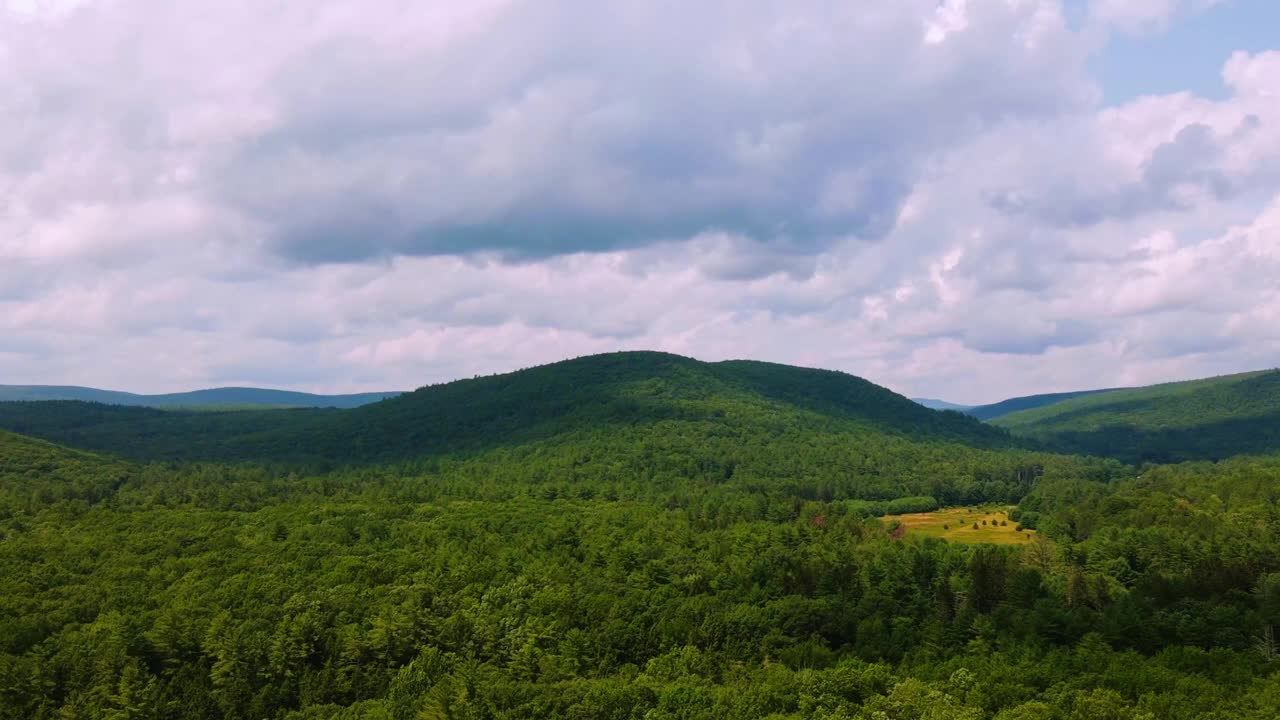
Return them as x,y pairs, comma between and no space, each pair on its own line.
958,199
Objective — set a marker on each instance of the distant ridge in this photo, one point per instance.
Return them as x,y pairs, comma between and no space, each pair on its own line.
1028,402
933,404
223,397
1207,419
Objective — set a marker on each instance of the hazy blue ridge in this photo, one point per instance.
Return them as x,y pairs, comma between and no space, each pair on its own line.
211,396
934,404
1028,402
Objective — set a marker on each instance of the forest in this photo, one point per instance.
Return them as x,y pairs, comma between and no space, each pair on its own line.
1208,419
632,535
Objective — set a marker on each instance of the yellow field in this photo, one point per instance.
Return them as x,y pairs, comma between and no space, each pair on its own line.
956,525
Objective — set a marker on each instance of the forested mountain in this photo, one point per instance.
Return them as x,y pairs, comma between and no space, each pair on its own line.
1028,402
630,395
1209,419
214,397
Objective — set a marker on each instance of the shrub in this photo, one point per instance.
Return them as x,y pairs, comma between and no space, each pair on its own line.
1029,520
918,504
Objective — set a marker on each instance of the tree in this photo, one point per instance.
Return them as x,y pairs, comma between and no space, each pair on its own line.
988,567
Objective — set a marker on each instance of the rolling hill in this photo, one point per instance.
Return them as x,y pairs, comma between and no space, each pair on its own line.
637,395
62,473
1027,402
1207,419
32,456
213,397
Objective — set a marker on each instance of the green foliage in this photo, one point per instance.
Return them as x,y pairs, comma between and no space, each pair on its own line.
897,506
37,474
907,505
217,591
1208,419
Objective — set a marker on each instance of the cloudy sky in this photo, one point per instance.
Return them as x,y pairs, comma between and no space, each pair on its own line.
965,199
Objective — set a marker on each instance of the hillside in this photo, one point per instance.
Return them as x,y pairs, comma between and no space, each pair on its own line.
21,455
1208,419
636,395
1028,402
214,397
60,473
145,433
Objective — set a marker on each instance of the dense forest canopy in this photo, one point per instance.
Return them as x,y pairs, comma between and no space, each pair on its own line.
624,536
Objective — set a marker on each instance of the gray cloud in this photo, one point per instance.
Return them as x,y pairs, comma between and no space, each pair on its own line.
1027,338
333,197
546,128
1174,176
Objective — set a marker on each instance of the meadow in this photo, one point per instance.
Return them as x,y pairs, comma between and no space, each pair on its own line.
988,524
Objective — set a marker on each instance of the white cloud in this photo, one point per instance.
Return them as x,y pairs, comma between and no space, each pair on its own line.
351,197
1143,15
331,134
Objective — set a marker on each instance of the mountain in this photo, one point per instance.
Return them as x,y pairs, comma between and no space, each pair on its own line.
1028,402
633,395
939,404
1207,419
224,397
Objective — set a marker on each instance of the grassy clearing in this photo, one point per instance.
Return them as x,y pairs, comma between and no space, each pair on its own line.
957,525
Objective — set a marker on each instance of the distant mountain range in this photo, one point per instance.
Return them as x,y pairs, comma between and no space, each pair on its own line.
933,404
214,397
1004,407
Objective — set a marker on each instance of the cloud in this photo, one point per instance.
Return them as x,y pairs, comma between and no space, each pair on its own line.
338,197
1157,154
532,129
1142,16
